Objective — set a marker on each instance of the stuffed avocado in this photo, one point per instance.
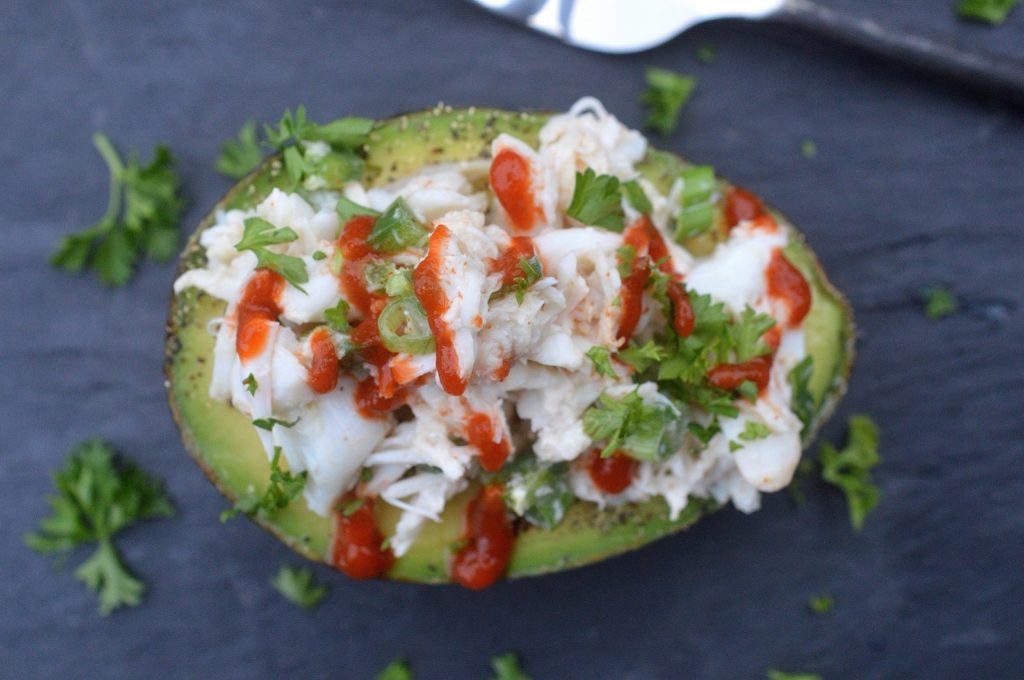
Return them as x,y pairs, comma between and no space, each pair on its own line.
498,344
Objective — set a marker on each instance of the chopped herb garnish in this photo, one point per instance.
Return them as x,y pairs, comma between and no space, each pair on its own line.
702,433
808,149
506,667
142,214
697,214
783,675
319,255
939,302
641,357
396,670
397,229
602,358
596,201
240,156
629,424
337,317
667,93
989,11
299,586
259,234
803,402
269,423
636,197
282,488
821,604
745,334
538,492
295,131
850,468
531,269
347,209
626,257
97,497
753,431
351,507
250,384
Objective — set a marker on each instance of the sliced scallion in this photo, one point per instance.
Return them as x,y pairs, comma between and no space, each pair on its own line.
397,229
403,327
697,214
347,209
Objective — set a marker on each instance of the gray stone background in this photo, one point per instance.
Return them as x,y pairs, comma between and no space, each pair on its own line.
916,182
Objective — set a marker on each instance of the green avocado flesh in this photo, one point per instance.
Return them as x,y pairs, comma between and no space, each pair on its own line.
225,444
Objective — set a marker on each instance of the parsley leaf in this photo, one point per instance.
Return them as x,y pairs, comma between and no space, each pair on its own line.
294,131
628,424
282,488
804,403
596,201
821,604
703,433
636,197
239,157
939,302
602,358
143,209
745,334
642,357
259,234
667,93
269,423
251,385
783,675
337,317
531,269
753,431
347,209
98,496
990,11
850,468
299,586
538,492
396,670
506,667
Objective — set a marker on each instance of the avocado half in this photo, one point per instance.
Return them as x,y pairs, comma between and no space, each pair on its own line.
225,445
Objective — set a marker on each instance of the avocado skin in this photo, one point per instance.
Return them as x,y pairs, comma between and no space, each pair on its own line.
224,444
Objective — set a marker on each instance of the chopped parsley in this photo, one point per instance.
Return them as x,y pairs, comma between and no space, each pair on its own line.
629,424
396,670
269,423
299,586
352,506
821,604
641,357
251,385
347,209
808,149
637,197
667,93
337,317
602,358
596,201
850,468
282,488
804,403
240,156
989,11
753,431
259,234
319,255
143,209
626,257
538,492
939,302
531,269
783,675
506,667
704,433
745,335
97,497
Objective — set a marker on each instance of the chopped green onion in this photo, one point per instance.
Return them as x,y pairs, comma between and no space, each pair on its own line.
403,327
397,229
347,209
636,197
399,284
697,214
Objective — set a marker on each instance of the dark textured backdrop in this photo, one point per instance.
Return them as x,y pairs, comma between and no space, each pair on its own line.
915,182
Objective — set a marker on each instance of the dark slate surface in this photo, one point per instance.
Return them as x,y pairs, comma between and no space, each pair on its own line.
915,182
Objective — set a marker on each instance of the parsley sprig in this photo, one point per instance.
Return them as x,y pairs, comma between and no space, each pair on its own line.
396,670
597,201
282,488
143,209
506,667
259,234
299,586
667,93
850,468
628,423
989,11
97,497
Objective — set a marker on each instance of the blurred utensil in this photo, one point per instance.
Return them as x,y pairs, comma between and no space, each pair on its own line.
625,26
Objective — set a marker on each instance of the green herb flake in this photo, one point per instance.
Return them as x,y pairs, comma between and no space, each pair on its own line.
706,54
319,255
143,209
628,424
808,149
531,274
396,670
299,586
783,675
993,12
753,431
347,209
258,234
282,488
821,604
704,434
746,333
637,197
250,384
939,302
596,201
269,423
641,357
337,317
538,492
602,359
97,497
803,402
240,156
506,667
850,468
351,507
667,93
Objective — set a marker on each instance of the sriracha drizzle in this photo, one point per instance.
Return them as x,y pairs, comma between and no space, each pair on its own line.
510,180
426,282
357,543
258,306
489,541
